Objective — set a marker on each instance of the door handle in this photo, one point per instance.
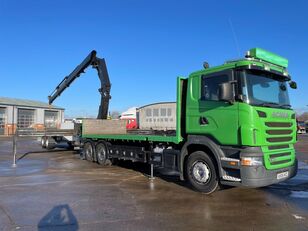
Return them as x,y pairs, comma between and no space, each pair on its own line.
203,121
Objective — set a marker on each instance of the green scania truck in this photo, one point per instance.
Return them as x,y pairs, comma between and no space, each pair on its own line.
234,126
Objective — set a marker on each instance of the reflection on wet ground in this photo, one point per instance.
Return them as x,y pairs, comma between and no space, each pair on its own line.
299,194
57,191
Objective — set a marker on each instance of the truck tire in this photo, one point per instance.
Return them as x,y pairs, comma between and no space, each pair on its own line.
50,143
88,150
101,153
70,146
43,141
201,172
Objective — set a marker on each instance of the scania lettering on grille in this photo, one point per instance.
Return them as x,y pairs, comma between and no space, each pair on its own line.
280,115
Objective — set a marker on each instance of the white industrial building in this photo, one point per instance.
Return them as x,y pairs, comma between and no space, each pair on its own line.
24,114
157,116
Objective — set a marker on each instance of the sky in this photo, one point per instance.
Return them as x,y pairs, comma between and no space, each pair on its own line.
146,45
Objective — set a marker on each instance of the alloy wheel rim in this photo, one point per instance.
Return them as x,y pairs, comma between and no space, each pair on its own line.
101,153
201,172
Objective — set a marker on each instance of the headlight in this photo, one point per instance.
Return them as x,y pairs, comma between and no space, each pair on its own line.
252,161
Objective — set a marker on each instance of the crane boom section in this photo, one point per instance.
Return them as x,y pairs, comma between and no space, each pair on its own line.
100,65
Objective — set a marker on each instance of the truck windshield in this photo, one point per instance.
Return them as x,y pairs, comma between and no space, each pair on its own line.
264,89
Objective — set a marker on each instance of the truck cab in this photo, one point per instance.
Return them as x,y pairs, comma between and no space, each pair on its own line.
242,110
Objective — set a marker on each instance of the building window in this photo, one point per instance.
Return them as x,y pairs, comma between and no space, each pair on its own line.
169,111
25,118
148,112
51,119
2,120
163,112
155,112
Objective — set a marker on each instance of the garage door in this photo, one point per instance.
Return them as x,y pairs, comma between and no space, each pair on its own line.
51,119
25,118
2,120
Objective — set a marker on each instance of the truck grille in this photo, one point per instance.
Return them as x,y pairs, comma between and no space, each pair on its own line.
278,136
279,124
279,139
278,132
275,147
280,158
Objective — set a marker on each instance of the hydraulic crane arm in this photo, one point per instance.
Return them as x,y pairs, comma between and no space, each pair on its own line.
100,66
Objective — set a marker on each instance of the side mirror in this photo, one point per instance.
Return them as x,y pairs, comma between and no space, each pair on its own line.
293,84
226,92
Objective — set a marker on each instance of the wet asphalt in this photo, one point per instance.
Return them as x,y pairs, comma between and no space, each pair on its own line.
57,191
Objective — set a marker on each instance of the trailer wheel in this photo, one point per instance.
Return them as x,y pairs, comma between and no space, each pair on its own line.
43,141
70,146
88,151
50,143
101,153
201,172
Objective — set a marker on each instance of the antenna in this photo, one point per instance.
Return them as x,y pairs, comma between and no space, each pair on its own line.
235,38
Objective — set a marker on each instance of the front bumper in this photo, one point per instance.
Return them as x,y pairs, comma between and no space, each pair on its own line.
259,176
252,176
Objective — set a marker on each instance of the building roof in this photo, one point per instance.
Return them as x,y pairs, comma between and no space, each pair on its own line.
26,103
158,103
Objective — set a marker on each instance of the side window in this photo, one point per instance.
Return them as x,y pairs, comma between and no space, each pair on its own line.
210,86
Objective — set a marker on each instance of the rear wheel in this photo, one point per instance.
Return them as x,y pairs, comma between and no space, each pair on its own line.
101,153
50,143
43,141
88,151
201,172
70,146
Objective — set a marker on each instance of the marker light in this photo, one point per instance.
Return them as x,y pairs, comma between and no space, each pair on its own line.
267,56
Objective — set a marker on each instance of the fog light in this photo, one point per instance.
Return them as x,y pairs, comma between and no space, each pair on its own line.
251,161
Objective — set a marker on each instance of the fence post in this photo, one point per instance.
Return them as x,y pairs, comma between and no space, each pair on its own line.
14,148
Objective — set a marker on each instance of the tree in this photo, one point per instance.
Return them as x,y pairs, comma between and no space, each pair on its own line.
115,114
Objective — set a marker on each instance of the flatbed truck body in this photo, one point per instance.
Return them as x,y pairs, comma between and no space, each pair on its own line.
234,126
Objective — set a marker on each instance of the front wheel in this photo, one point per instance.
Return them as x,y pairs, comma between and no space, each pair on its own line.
201,172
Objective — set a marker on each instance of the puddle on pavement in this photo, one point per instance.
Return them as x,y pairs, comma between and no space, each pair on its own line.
299,194
300,178
302,174
24,167
302,166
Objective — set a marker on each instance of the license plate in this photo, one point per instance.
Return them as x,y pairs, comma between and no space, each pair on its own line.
282,175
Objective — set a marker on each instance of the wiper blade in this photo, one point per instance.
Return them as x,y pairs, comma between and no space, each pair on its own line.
268,104
272,104
286,105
